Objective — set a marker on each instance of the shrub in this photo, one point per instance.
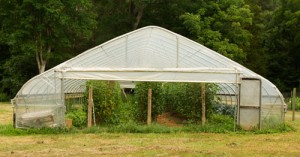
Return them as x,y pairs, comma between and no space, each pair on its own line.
297,104
106,98
184,99
3,97
223,109
78,117
141,100
125,112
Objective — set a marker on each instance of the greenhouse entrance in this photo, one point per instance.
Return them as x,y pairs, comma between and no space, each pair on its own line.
250,103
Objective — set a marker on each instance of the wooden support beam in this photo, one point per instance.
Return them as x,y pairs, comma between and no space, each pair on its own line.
90,106
203,118
149,106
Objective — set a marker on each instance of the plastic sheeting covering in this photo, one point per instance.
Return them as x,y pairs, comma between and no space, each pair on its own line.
147,54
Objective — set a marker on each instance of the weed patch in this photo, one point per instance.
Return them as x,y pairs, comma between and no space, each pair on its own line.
9,130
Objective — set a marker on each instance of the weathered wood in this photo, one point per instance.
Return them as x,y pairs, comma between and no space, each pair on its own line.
94,115
149,106
90,106
203,119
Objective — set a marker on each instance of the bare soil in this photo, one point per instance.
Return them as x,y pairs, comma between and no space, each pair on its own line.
169,120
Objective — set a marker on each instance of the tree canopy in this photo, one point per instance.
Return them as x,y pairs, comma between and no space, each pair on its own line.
221,25
44,27
283,44
37,35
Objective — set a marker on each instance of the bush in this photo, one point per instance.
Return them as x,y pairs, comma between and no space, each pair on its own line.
184,99
125,112
79,118
297,104
141,100
223,109
106,98
3,97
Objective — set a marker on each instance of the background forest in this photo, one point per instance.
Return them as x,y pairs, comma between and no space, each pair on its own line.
35,35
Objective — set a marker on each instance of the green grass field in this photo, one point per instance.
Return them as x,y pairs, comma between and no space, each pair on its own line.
151,144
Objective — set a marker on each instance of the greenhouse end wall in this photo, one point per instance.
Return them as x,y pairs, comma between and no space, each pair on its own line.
38,111
138,56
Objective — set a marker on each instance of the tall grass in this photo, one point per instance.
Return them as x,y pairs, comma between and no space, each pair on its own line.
9,130
132,127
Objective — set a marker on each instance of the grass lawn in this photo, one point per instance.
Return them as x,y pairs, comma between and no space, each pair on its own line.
152,144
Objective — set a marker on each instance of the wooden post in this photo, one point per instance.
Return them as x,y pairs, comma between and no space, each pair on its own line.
90,107
149,106
293,103
94,116
203,119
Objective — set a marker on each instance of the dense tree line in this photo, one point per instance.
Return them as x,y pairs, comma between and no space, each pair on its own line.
263,35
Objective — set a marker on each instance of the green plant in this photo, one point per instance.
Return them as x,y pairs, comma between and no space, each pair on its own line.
9,130
297,103
184,99
106,99
126,111
3,97
223,109
78,117
271,130
141,100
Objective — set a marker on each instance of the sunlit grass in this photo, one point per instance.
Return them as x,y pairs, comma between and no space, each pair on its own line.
140,140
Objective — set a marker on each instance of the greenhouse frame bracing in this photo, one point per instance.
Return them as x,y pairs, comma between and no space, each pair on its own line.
149,54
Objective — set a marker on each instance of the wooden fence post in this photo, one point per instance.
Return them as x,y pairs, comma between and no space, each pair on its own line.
203,119
294,103
149,106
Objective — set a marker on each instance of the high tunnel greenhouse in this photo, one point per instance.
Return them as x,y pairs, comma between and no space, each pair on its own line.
151,54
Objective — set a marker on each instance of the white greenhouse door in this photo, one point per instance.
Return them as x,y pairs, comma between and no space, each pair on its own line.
250,103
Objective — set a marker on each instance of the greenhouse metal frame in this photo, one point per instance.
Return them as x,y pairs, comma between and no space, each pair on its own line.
151,54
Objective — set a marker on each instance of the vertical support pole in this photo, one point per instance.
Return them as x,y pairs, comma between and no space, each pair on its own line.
62,94
177,52
260,110
14,112
293,103
203,119
62,97
237,105
94,116
90,106
149,106
126,50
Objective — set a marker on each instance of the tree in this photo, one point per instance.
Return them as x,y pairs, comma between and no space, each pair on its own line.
221,26
284,45
257,56
45,27
116,17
